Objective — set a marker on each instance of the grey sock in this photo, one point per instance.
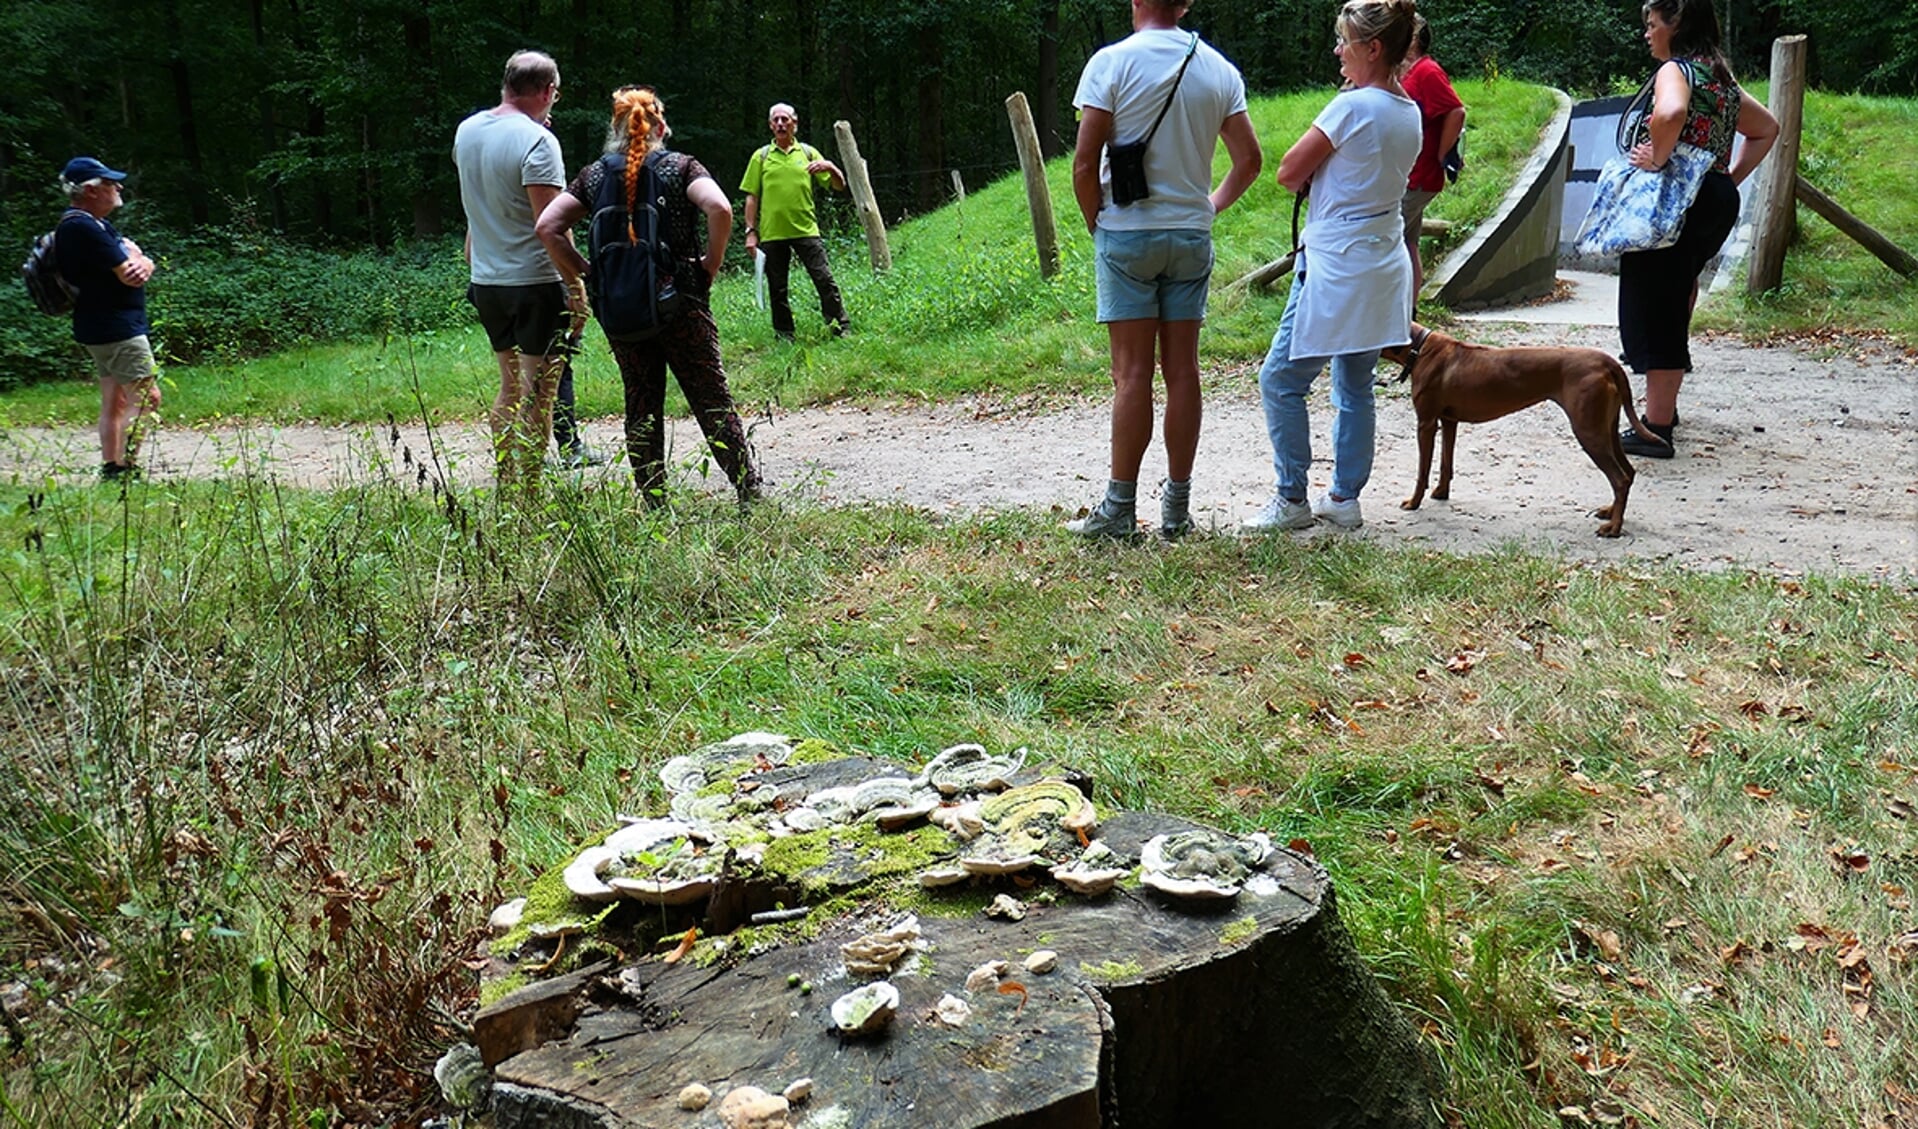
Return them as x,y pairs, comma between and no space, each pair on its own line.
1124,494
1175,504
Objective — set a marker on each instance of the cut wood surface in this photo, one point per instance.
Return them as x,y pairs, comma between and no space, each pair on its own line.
1158,1012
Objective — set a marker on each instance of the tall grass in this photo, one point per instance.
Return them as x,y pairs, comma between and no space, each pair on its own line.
1605,835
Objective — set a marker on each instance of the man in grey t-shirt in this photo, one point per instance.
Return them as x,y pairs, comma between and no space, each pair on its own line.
510,168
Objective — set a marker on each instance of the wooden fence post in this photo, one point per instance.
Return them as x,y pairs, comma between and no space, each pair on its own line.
862,197
1777,185
1045,229
958,185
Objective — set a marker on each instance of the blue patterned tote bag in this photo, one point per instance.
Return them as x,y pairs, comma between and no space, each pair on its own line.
1639,210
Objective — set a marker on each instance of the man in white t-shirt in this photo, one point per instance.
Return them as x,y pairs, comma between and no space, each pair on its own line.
510,168
1168,88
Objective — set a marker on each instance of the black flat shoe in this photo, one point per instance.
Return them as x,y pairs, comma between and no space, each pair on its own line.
1646,447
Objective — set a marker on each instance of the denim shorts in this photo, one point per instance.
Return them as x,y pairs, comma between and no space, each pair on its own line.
1161,275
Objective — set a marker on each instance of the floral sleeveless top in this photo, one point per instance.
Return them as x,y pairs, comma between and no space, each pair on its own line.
1712,118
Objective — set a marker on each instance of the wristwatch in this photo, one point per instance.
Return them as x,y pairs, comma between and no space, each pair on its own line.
751,230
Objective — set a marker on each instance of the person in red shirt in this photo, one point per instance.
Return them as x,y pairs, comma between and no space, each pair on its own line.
1443,118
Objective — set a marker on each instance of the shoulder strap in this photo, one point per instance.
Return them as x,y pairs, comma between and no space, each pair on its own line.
1190,49
611,179
53,237
1636,111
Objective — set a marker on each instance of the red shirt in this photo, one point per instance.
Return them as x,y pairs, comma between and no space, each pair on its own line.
1427,85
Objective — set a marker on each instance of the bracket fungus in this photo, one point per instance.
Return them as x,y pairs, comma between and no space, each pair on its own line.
865,1010
1201,865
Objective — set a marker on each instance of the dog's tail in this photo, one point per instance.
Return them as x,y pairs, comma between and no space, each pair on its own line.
1624,384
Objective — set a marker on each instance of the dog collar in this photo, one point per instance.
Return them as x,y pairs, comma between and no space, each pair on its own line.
1412,353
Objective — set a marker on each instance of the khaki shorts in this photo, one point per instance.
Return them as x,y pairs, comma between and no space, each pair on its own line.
1413,209
124,362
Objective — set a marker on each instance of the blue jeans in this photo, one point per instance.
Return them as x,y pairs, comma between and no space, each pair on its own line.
1283,384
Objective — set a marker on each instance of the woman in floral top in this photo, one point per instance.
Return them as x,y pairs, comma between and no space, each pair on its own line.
1695,99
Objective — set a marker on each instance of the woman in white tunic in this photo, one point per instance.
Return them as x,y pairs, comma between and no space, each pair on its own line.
1352,293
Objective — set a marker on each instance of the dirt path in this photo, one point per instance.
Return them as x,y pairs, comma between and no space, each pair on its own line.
1788,462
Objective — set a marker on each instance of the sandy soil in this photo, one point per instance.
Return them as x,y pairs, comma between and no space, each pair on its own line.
1788,462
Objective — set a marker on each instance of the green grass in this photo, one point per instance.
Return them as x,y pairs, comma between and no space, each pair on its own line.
284,751
1831,283
962,311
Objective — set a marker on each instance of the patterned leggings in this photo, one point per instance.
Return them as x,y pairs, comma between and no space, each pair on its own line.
690,345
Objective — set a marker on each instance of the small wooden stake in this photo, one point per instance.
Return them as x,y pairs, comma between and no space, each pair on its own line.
862,197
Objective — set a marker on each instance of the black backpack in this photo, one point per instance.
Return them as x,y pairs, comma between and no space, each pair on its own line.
52,294
631,285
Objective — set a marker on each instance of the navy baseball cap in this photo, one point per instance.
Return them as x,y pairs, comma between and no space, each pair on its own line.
82,169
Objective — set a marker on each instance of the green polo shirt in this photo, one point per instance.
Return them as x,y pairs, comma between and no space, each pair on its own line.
785,190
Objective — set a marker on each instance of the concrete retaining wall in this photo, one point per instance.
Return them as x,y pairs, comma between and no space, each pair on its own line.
1513,256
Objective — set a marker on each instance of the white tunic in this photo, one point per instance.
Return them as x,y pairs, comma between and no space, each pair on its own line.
1356,289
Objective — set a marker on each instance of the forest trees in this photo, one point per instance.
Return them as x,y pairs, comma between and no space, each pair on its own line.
332,120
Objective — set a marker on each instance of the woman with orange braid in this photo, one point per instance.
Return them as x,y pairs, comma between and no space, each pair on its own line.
689,343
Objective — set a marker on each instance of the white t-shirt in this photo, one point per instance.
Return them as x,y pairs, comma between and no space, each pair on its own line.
498,156
1375,141
1130,79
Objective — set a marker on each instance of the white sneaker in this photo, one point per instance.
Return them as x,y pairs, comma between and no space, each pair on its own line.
1344,514
1279,514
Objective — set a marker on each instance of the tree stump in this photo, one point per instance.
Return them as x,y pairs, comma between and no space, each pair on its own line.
1249,1010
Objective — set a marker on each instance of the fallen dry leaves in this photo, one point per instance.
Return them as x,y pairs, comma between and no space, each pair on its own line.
685,946
1605,942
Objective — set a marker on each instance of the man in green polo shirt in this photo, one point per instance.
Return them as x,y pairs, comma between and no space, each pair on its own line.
780,220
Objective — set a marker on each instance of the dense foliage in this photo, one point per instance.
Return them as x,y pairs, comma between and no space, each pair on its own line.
229,293
334,119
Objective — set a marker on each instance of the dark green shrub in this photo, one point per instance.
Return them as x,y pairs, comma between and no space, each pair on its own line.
226,294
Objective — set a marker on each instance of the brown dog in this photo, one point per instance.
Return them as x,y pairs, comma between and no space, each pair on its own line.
1454,383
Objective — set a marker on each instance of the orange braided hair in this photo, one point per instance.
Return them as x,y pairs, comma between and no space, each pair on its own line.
640,117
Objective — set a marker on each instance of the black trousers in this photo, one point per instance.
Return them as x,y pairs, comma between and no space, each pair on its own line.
811,251
689,345
566,435
1655,287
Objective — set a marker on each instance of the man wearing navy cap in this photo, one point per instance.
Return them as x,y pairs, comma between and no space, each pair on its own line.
108,273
